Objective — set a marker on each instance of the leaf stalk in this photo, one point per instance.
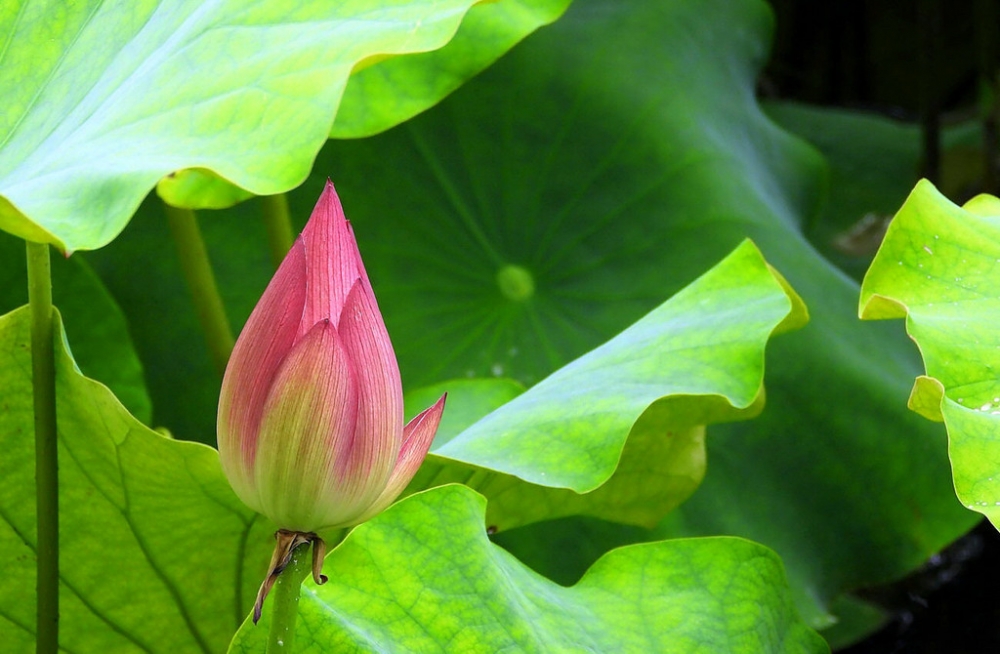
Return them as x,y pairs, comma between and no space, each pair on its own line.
201,282
43,380
278,222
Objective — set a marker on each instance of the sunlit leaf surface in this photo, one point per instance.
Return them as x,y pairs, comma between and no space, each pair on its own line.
103,99
156,553
939,268
390,592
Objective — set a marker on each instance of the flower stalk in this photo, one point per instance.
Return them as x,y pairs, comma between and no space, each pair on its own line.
43,380
285,605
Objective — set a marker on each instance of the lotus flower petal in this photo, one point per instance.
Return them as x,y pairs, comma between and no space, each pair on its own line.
417,438
267,337
300,438
366,466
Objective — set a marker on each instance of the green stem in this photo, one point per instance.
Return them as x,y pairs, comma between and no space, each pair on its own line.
285,600
201,282
43,380
278,222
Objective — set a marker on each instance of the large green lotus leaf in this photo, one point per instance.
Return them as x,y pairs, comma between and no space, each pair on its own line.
619,432
102,346
939,267
102,100
423,577
156,553
610,173
614,156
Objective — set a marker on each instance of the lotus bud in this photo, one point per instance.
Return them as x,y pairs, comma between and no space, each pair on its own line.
310,421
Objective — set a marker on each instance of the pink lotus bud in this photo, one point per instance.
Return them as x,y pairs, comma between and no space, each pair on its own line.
311,413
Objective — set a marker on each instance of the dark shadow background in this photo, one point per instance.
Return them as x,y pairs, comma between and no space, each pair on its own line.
929,62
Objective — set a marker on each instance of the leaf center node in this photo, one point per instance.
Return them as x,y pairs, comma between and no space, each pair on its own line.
516,283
